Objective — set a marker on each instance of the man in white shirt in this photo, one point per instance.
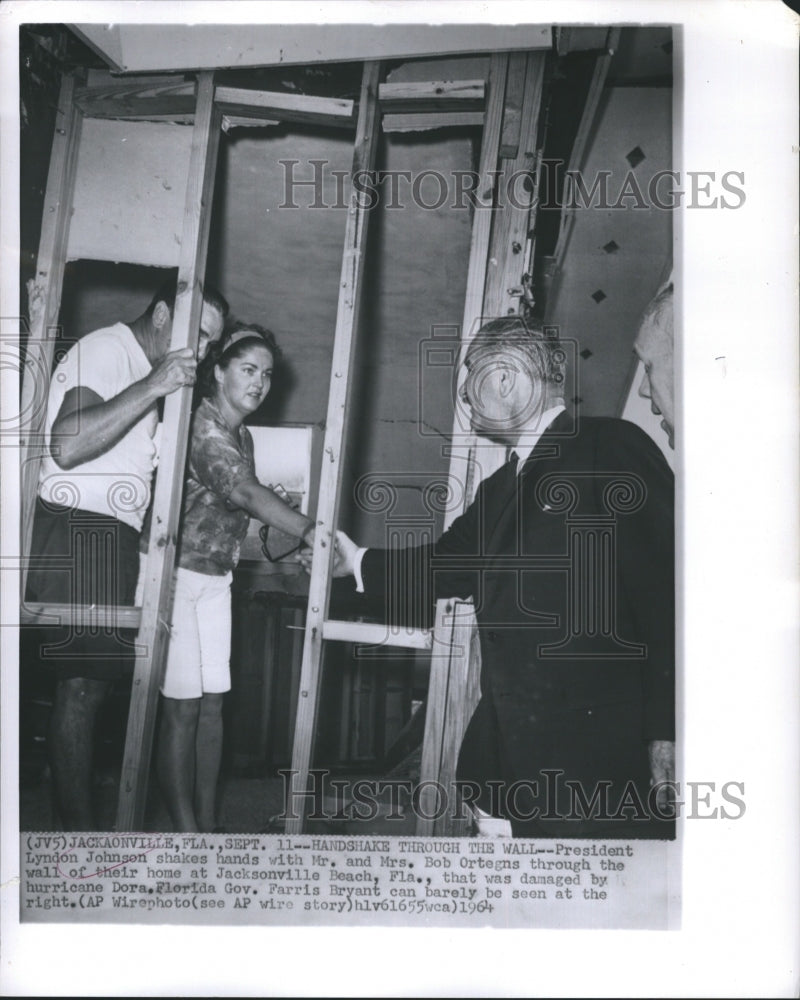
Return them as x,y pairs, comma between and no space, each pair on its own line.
94,490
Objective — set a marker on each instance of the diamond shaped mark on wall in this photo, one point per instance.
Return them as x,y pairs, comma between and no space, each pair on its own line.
611,247
586,353
599,295
635,156
666,48
577,400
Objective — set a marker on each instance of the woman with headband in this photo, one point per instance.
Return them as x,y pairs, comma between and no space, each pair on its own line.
220,496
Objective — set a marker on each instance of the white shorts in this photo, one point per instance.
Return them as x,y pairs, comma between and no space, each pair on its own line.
198,659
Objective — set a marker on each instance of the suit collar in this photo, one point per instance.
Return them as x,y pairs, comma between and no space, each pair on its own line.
560,427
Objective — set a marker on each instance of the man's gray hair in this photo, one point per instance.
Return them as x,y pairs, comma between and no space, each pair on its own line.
659,308
538,344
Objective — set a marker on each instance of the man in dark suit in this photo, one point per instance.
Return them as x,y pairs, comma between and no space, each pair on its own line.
567,554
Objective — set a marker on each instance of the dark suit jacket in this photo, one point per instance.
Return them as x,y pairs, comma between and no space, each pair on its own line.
571,569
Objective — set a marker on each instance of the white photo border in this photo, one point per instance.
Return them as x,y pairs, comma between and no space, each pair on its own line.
738,468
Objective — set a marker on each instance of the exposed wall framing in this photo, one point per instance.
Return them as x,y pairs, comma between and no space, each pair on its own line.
507,105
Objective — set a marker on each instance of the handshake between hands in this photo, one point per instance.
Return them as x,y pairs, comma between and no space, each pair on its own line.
344,557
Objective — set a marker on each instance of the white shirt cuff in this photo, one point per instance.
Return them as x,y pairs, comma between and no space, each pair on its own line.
357,570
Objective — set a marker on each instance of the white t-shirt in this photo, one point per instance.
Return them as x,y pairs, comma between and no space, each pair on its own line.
117,482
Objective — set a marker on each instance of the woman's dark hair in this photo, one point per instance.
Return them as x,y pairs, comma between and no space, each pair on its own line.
239,338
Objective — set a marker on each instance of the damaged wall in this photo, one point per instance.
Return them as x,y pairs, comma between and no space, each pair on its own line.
279,266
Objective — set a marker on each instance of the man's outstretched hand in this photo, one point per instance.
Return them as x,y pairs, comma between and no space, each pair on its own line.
344,555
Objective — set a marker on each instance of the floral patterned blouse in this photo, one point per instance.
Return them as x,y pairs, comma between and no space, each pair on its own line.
212,529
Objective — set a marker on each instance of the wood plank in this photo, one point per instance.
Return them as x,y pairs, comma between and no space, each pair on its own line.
453,694
272,114
350,295
427,120
109,87
96,78
271,663
463,441
143,48
376,635
94,615
440,95
153,635
245,121
153,99
454,680
585,129
435,714
286,107
596,86
512,110
463,694
510,231
43,327
179,110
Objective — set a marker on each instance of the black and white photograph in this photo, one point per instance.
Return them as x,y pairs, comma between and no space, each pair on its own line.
368,400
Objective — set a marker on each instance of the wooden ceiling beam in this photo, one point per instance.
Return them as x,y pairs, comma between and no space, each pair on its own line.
141,48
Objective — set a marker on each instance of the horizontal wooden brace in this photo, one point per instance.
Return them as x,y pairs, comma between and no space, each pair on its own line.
245,121
141,87
286,107
178,110
376,635
87,615
442,95
426,120
140,101
427,105
176,103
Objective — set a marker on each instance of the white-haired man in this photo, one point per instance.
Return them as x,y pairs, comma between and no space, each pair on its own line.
654,348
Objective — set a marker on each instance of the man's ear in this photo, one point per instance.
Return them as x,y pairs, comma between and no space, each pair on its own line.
161,315
508,378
